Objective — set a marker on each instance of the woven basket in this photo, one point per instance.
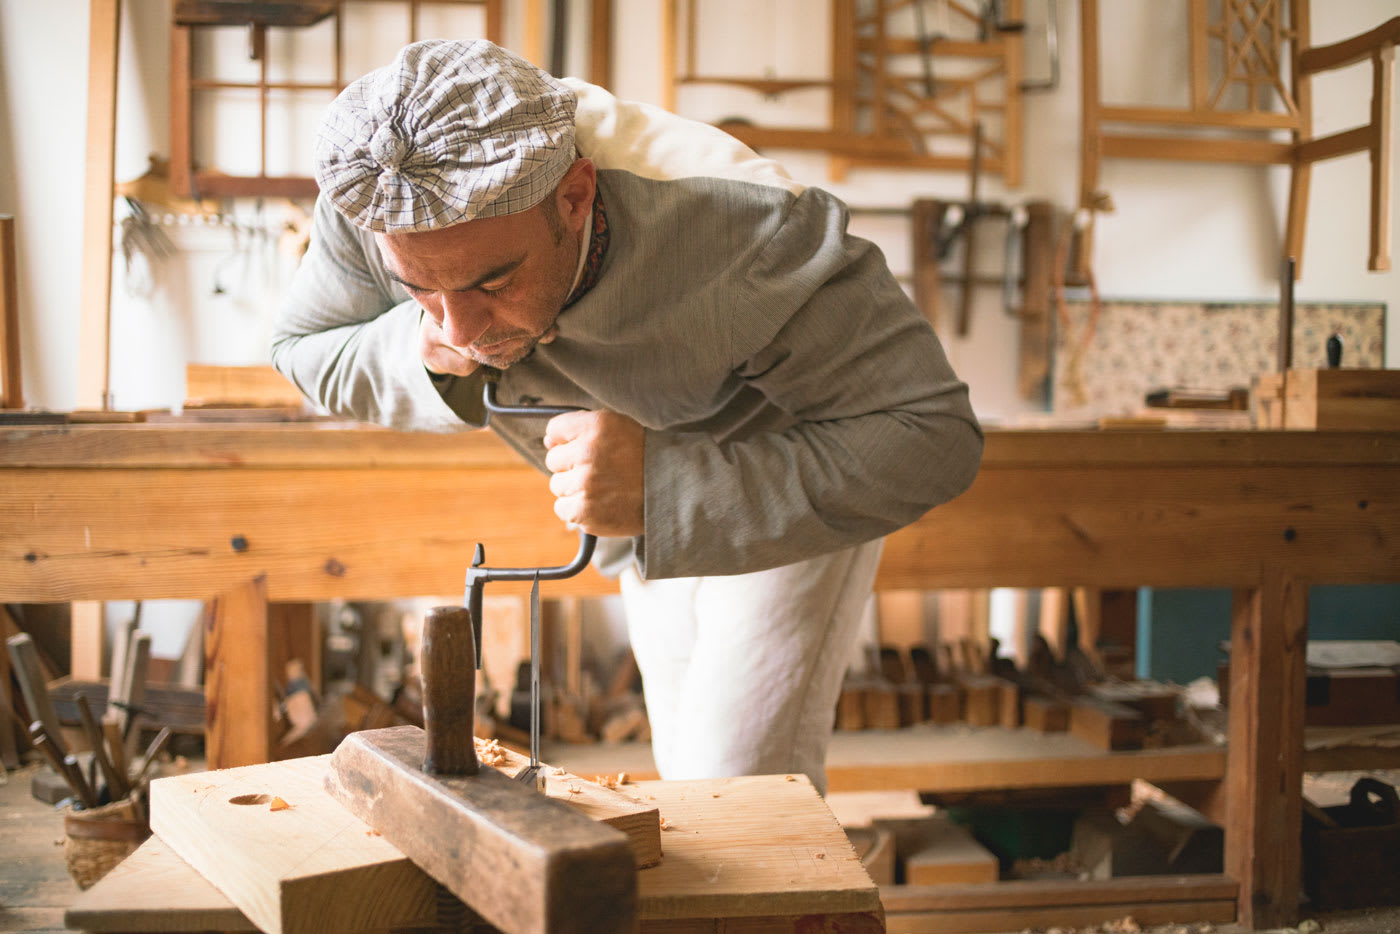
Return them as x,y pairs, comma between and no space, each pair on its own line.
95,840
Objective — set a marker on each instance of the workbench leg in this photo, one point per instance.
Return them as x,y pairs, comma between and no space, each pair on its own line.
238,677
1264,771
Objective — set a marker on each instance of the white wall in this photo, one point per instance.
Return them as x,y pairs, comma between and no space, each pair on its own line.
1180,230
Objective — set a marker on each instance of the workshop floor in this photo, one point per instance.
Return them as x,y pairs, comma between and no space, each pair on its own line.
35,886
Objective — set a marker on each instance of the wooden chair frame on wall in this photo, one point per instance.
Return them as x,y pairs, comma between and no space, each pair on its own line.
188,179
1253,35
863,51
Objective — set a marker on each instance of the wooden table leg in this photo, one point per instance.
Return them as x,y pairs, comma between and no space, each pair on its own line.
238,677
1264,767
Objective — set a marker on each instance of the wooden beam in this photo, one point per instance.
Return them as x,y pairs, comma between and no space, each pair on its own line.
237,677
1337,144
11,382
95,317
523,861
1350,51
1246,151
1264,776
1170,116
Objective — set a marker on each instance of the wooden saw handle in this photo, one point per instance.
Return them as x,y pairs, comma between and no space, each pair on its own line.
449,691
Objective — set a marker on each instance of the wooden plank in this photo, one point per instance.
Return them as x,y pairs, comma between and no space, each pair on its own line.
1245,151
748,854
237,677
521,860
94,351
1063,893
206,384
949,856
11,374
1264,778
312,867
354,445
121,900
1072,917
1168,116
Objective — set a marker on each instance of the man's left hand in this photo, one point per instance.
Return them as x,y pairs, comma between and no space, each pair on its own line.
596,459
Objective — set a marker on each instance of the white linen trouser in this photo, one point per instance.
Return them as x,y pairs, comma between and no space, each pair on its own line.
742,673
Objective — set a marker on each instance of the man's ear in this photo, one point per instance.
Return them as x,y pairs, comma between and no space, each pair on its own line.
575,193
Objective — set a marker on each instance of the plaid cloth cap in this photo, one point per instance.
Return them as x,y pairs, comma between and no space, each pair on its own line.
448,132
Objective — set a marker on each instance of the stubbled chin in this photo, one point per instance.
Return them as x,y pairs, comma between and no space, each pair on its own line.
513,353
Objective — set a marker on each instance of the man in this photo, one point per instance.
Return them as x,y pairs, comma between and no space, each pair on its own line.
763,401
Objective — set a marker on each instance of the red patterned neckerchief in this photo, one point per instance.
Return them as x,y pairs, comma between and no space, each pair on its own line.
597,247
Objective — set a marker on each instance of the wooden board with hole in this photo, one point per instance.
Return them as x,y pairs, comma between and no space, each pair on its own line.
742,854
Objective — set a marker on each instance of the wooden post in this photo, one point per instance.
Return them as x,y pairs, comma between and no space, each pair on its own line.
11,386
94,358
1300,176
1089,141
668,54
1382,73
1264,765
600,43
89,635
237,677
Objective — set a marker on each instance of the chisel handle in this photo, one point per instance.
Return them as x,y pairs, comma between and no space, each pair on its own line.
449,691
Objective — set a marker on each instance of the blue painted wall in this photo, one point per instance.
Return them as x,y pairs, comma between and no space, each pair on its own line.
1179,631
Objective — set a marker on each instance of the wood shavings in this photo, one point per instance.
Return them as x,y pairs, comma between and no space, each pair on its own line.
557,771
666,825
575,790
610,781
821,855
714,794
278,804
490,751
789,778
372,833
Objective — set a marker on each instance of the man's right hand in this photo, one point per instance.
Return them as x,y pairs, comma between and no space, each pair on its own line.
438,355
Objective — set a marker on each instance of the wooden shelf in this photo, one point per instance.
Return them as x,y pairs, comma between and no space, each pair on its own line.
962,759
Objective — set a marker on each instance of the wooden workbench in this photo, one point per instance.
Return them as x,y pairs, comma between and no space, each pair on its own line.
253,515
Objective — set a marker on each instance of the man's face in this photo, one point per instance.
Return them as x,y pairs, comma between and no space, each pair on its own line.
495,286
